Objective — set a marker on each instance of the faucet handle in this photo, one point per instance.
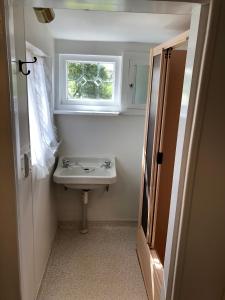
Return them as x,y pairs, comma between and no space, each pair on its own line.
108,163
65,163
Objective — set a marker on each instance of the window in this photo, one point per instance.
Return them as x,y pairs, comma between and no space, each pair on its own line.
89,80
89,83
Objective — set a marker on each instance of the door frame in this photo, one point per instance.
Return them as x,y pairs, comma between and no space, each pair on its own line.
153,273
20,143
198,37
9,254
165,277
178,237
212,30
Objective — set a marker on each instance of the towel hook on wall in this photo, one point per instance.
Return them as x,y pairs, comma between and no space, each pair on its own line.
26,62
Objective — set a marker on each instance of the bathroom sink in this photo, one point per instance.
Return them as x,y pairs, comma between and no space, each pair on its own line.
85,172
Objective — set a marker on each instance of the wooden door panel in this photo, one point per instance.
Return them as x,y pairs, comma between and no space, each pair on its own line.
152,113
152,118
161,118
171,112
22,150
156,129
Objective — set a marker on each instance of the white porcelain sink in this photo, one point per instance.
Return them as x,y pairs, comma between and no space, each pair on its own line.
85,172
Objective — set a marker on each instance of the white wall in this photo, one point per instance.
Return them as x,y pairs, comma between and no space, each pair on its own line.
201,260
90,135
37,33
44,213
121,136
97,48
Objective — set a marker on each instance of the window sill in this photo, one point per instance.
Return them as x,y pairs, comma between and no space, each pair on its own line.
134,112
86,113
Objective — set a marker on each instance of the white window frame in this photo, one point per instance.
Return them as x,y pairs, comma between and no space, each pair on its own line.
62,104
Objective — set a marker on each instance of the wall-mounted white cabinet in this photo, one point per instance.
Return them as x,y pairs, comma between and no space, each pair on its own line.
135,81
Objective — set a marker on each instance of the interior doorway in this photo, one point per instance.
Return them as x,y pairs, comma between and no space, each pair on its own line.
171,9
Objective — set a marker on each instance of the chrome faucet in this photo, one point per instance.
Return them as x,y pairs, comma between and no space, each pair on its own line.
65,163
107,164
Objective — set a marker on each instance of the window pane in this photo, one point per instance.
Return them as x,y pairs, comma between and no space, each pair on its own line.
106,72
87,80
90,90
90,71
74,89
105,90
75,71
141,84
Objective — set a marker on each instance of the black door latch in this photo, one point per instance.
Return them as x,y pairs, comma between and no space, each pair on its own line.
159,158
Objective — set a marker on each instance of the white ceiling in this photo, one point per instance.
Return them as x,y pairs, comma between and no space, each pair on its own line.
116,26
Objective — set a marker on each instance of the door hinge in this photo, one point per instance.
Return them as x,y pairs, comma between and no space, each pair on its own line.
168,53
25,165
159,158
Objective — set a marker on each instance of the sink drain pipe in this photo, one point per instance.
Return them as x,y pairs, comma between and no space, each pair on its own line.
84,226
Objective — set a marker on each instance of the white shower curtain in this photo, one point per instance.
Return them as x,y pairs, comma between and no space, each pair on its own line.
42,132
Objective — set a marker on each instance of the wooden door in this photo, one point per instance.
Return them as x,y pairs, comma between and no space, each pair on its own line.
167,147
163,109
153,110
15,24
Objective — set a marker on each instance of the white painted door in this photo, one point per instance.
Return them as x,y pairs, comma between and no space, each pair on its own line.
22,148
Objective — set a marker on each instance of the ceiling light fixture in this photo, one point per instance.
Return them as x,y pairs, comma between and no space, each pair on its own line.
44,15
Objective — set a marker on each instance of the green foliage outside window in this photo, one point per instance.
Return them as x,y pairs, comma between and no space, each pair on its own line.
89,80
